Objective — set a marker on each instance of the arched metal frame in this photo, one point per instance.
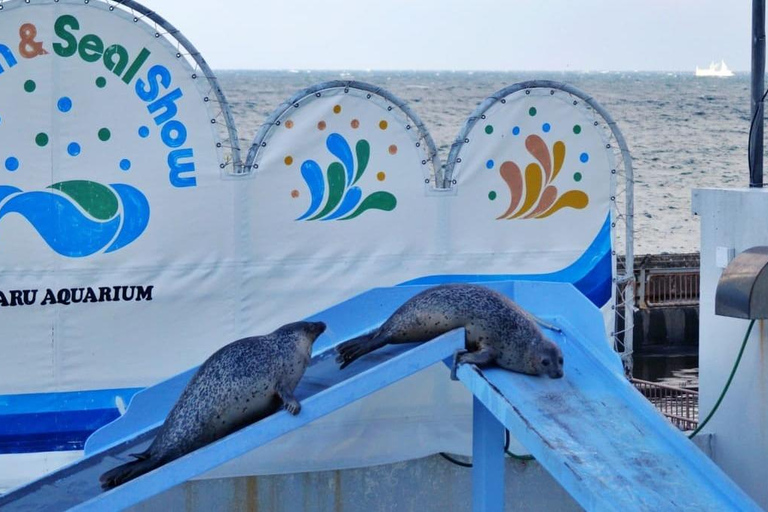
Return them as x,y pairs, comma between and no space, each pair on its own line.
622,204
184,49
259,140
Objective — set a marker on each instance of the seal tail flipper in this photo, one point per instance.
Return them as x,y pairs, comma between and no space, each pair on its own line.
129,471
357,347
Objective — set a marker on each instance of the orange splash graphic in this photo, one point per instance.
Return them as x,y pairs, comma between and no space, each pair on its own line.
533,196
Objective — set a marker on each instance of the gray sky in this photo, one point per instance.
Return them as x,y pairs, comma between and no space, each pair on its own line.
465,35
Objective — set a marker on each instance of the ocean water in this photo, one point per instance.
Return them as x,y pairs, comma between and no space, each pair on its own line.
683,132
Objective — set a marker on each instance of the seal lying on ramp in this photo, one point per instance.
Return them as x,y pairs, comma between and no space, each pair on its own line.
239,384
497,330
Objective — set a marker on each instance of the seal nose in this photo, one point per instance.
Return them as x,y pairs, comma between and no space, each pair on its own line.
557,375
320,327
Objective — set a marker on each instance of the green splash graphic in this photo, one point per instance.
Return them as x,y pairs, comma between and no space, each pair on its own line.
376,201
336,185
363,150
96,199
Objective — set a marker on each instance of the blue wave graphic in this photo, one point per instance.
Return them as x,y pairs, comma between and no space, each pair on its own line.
6,190
313,175
347,204
70,232
339,148
135,215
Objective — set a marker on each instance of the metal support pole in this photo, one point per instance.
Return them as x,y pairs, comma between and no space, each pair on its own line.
758,79
488,460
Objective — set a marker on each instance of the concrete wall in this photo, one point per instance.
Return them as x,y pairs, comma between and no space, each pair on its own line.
420,485
736,218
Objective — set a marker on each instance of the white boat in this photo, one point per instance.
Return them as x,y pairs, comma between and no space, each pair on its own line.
714,70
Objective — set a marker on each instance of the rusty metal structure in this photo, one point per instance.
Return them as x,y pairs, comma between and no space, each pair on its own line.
679,405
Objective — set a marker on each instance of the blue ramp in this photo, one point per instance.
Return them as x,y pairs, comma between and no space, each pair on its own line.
592,431
323,390
598,437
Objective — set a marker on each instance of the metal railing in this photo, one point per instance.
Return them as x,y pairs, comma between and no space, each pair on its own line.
668,287
680,406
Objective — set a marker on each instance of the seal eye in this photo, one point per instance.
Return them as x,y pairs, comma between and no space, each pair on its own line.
560,360
545,362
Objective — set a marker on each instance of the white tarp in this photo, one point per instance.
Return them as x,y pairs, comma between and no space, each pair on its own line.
111,185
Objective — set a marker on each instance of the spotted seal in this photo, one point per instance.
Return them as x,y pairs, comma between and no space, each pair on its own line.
239,384
497,330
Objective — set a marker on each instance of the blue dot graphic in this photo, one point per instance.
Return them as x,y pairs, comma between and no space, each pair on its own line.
64,104
584,157
516,130
73,149
546,127
11,163
143,132
489,164
125,164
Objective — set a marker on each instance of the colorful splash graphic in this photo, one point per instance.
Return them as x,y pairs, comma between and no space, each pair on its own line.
533,195
80,218
343,200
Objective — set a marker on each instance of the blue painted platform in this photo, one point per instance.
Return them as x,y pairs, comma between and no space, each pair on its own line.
598,437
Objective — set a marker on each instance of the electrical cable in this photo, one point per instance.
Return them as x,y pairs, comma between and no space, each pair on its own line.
727,384
506,451
751,130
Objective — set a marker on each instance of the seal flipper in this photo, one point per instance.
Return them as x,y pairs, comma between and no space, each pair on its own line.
485,355
289,401
358,347
121,474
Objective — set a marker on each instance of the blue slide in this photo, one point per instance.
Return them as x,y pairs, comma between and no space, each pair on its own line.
595,434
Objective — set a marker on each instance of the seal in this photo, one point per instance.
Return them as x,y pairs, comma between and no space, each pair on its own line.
239,384
497,330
